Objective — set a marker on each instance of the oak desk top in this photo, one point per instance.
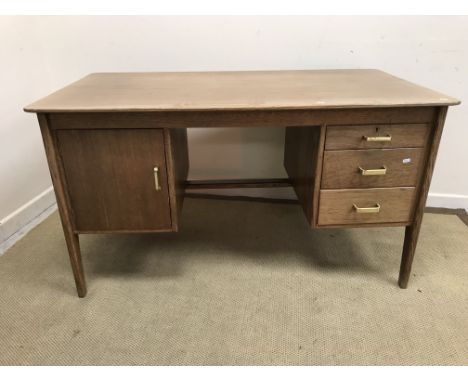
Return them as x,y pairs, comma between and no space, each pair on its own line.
254,90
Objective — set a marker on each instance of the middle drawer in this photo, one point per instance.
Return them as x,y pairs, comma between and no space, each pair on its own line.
371,168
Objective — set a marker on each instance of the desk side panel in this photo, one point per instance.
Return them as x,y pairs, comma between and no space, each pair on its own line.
303,153
178,167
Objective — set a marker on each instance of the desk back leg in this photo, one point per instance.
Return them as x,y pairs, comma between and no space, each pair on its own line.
412,231
58,180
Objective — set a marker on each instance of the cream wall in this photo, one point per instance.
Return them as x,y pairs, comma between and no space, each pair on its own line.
41,54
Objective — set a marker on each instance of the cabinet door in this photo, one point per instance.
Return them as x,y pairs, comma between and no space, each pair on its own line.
112,177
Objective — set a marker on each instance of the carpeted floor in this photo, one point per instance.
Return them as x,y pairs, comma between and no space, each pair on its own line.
243,283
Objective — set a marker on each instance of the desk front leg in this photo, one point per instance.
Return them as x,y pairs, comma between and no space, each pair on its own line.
412,231
63,204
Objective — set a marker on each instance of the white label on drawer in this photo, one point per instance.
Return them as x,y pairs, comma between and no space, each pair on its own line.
406,160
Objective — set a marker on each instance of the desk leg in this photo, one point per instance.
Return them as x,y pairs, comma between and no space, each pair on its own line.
409,247
412,231
63,203
74,252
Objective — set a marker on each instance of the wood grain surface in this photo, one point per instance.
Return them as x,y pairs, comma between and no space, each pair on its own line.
396,206
63,203
412,231
177,170
341,168
308,89
111,181
352,137
303,148
242,119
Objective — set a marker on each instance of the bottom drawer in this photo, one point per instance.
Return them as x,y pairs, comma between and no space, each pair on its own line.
377,205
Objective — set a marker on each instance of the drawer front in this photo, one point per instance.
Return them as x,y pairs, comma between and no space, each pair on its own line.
342,207
388,168
345,137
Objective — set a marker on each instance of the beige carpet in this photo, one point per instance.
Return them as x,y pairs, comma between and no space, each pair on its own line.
243,283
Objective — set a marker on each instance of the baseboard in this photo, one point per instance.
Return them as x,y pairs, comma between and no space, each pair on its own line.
25,218
447,201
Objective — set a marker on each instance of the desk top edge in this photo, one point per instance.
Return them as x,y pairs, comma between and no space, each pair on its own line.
238,91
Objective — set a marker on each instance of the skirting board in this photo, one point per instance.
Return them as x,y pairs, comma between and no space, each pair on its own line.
447,201
20,222
14,226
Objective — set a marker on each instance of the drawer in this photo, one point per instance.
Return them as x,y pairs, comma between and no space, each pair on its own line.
386,205
376,136
350,168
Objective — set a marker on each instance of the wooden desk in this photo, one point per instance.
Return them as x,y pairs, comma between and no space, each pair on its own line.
360,147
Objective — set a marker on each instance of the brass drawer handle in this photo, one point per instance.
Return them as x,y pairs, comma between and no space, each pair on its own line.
385,138
373,171
367,210
156,178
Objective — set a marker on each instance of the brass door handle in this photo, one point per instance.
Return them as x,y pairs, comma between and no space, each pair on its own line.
367,210
373,171
157,186
384,138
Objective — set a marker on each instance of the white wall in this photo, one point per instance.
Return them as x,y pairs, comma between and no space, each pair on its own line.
41,54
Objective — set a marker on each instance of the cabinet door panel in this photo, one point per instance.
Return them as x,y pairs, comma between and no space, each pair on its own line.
111,179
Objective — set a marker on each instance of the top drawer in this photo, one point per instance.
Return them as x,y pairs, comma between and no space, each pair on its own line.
376,136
